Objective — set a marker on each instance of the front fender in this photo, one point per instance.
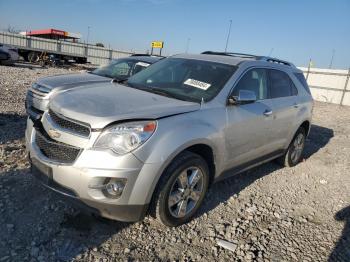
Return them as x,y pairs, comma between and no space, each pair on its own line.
174,135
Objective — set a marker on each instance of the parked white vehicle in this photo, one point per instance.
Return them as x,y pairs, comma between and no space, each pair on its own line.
8,54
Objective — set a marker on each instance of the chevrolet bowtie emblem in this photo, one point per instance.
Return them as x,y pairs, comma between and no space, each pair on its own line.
54,133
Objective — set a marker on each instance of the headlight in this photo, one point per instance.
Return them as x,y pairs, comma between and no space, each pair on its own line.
124,138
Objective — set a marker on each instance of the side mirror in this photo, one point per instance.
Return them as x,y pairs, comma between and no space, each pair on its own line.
244,97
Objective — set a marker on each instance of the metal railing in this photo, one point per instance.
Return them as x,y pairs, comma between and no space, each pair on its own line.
94,54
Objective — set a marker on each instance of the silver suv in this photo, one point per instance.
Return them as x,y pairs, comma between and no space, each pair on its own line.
155,143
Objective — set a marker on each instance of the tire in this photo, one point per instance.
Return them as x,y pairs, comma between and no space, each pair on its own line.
33,57
25,56
168,211
289,159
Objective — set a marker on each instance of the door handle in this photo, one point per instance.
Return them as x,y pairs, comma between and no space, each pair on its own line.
295,105
267,112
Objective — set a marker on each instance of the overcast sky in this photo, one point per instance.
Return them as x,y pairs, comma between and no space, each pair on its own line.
293,30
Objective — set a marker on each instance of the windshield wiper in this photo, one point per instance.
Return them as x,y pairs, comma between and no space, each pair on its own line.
160,92
122,81
93,73
119,80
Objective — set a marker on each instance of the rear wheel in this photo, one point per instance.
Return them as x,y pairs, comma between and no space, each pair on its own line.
181,189
295,150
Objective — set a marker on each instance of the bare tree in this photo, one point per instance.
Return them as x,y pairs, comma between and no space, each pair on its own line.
12,29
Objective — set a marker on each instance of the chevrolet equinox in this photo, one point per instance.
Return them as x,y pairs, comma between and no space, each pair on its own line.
155,143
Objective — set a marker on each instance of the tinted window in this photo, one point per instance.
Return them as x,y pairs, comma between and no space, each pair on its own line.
302,80
139,66
280,84
254,80
122,68
186,79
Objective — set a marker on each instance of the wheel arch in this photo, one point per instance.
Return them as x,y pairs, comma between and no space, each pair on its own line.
206,152
307,126
201,148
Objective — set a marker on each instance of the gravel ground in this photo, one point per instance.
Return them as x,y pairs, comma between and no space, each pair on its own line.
269,213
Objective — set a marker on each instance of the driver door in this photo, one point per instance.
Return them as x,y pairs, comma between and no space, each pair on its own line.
248,125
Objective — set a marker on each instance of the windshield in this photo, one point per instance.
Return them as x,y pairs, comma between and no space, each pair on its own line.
121,68
186,79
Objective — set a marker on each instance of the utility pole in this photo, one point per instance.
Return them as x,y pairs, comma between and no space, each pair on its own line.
88,34
228,35
187,44
331,63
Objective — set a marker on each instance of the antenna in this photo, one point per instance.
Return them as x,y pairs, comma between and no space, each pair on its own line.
228,35
202,101
271,51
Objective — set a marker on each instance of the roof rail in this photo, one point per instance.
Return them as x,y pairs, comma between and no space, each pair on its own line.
260,58
275,60
146,55
229,54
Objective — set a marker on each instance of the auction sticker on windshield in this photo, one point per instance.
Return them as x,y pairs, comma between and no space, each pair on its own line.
142,64
197,84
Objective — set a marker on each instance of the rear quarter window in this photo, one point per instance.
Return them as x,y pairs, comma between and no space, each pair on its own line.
302,80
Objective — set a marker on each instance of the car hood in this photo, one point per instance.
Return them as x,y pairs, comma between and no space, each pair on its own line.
102,104
67,81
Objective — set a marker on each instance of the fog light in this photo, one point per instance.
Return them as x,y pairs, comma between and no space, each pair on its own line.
110,187
115,188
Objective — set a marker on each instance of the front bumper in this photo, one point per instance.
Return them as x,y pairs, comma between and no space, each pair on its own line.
126,213
78,180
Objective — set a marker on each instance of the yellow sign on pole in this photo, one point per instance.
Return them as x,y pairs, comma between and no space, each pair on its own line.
157,44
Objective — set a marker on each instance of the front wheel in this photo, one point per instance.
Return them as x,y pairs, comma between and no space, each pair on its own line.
181,189
295,150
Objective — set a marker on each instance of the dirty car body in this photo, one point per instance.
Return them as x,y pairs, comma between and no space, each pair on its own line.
113,147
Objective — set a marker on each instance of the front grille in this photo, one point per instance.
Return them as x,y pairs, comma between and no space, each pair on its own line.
69,125
55,151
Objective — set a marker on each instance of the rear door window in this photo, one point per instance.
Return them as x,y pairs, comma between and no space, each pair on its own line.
280,84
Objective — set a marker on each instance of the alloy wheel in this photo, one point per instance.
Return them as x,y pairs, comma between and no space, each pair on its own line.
185,192
298,146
